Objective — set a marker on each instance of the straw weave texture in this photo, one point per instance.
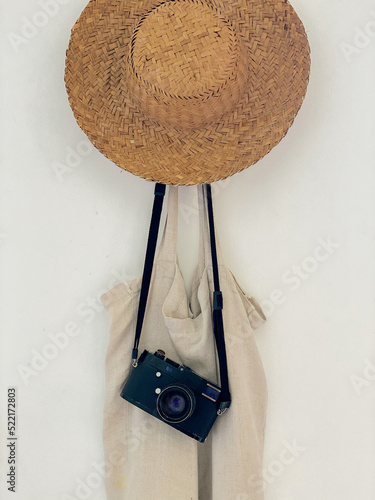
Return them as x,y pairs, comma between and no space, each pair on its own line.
186,91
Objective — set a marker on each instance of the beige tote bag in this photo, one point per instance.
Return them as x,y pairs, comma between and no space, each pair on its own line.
146,458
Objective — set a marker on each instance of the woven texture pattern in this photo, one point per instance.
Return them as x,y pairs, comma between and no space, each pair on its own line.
186,91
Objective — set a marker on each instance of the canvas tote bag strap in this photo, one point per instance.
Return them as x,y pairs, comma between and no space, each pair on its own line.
167,250
203,231
149,262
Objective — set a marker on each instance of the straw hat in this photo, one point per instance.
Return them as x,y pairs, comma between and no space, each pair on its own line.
186,91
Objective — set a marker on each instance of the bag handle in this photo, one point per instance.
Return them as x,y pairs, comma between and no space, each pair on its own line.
217,294
167,250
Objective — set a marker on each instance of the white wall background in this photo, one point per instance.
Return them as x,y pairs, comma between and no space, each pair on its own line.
64,239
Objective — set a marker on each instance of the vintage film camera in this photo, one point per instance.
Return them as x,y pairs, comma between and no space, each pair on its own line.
174,394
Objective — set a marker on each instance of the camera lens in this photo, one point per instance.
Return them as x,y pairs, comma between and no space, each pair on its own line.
175,404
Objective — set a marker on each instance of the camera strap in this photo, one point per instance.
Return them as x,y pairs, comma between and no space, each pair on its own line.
218,312
149,263
217,295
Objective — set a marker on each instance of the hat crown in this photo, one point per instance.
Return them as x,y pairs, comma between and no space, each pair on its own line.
185,49
184,58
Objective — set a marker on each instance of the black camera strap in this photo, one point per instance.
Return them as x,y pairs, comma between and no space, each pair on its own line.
217,296
149,263
218,311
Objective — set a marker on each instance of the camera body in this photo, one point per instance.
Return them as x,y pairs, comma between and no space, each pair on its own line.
174,394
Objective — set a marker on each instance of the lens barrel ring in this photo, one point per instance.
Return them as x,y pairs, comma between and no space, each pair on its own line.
171,394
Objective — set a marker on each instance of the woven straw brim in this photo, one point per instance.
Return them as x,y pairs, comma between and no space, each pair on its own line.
186,92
